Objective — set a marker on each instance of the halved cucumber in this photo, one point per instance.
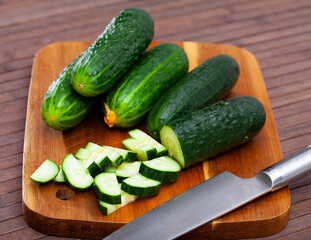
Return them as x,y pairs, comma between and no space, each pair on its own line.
163,169
60,178
125,170
107,208
128,156
46,172
107,188
140,186
77,177
145,146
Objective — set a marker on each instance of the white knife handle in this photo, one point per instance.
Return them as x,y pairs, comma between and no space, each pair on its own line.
289,169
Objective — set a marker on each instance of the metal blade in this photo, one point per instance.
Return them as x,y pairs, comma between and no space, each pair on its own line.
203,203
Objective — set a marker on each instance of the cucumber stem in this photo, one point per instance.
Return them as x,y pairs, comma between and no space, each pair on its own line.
110,117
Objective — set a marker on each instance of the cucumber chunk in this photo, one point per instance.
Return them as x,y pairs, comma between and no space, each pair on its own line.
145,146
83,154
107,188
46,172
125,170
77,177
91,165
115,158
60,178
128,156
141,186
107,208
163,169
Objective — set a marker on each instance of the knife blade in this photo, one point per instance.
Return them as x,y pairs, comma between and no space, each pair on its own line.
212,199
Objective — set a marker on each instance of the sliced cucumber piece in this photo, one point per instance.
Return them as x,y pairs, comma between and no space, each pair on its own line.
143,152
107,188
77,177
93,147
140,186
103,161
163,169
128,156
107,208
46,172
115,158
83,154
60,178
146,147
91,165
125,170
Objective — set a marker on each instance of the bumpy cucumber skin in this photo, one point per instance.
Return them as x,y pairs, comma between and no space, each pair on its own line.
218,128
156,71
62,108
158,175
111,55
210,82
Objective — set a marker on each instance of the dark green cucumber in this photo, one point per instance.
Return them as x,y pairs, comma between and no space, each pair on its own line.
214,129
208,83
105,61
130,100
62,108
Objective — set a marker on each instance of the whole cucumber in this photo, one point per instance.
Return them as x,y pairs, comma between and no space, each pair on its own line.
210,82
62,108
129,101
214,129
105,61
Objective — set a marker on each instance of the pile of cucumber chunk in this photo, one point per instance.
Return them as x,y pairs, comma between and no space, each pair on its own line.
186,111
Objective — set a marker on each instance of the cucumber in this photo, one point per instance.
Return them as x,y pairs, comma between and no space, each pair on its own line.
83,154
128,102
145,146
46,172
62,108
107,188
163,169
125,170
128,156
210,82
76,176
107,208
142,137
214,129
115,158
111,55
140,186
60,177
91,164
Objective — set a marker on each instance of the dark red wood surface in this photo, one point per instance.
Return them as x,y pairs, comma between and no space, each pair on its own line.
277,32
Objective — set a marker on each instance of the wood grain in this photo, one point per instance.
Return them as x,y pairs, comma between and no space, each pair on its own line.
80,217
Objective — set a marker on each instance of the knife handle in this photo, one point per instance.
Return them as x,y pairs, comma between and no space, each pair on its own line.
289,169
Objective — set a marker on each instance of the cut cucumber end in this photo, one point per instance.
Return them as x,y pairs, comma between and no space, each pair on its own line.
171,142
46,172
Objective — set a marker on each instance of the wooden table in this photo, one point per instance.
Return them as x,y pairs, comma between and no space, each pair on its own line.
277,32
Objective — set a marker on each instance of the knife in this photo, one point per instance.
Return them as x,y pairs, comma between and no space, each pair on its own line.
212,199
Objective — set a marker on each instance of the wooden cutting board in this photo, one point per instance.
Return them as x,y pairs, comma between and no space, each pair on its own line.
78,216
